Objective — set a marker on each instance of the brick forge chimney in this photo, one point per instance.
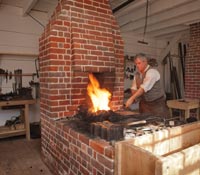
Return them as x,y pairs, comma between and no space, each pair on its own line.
82,36
192,65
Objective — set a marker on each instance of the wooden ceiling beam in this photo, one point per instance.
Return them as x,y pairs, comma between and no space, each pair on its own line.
169,36
155,7
166,31
131,7
165,15
28,6
180,20
121,6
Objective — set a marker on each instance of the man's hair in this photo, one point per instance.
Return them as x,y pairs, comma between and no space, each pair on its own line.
141,56
151,61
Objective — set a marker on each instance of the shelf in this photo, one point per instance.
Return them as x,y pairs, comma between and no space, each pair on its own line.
6,131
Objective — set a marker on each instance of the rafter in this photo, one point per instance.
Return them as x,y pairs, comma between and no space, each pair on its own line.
156,7
28,6
166,31
165,15
172,22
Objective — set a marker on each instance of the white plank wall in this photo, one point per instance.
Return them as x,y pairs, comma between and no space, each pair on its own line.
19,34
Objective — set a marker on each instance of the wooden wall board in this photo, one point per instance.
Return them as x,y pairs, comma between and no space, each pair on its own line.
131,154
184,162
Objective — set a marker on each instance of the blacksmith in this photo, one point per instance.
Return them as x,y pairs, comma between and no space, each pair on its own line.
146,88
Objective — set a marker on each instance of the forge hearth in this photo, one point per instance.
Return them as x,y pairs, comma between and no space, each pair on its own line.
116,126
76,151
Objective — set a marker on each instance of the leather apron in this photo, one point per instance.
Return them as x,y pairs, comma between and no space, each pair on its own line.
156,107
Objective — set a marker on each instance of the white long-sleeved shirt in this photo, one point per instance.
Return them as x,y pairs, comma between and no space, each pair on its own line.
152,76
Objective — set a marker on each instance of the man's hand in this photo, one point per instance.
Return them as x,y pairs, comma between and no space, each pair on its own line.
133,98
130,101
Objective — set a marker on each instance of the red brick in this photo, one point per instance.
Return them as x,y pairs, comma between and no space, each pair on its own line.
108,163
84,139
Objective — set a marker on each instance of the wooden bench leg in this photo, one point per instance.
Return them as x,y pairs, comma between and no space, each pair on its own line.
170,112
197,113
187,114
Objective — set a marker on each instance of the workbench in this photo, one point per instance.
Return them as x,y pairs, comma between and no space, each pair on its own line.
185,105
4,131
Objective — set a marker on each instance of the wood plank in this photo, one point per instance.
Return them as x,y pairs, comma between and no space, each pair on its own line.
183,104
134,160
17,102
28,5
184,162
134,155
11,133
169,140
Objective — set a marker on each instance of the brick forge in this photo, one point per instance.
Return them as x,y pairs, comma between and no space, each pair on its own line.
81,37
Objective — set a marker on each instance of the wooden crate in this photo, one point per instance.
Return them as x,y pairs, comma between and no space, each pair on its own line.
173,151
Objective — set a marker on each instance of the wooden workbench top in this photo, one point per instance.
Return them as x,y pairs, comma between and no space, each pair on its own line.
183,103
17,102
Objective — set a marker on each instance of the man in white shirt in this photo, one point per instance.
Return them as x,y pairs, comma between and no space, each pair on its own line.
147,88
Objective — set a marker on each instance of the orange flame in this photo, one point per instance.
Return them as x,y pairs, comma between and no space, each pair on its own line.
100,97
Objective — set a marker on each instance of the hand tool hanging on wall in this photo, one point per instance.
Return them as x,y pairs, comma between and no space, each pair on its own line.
2,76
6,76
10,75
184,57
184,51
172,85
36,67
18,80
175,88
181,55
176,81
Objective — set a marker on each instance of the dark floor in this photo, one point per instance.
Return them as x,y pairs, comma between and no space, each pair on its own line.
21,157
